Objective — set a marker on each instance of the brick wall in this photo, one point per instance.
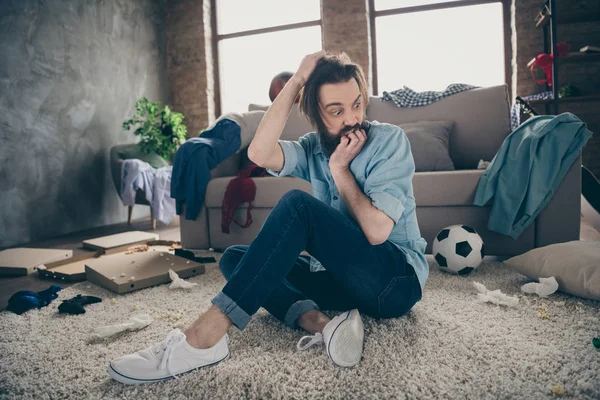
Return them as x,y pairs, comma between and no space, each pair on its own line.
585,76
210,73
346,28
189,54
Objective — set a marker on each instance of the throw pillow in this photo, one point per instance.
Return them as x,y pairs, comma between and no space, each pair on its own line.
575,265
429,142
134,151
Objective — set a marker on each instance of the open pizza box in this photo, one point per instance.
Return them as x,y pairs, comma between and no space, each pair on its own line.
135,260
74,268
71,269
122,263
24,261
120,242
133,270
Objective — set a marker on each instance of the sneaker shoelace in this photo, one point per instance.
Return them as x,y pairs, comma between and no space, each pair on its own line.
173,340
317,338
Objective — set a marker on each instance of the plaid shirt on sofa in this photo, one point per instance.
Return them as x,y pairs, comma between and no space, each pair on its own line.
407,97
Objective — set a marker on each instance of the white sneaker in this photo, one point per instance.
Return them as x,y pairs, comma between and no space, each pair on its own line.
166,360
343,337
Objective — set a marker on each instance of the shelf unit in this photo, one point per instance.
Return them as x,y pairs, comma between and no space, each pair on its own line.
570,18
548,19
573,99
573,58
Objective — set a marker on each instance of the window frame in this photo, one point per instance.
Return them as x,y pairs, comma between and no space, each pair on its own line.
373,14
216,38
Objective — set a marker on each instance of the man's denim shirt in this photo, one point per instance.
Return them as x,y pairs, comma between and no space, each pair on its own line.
383,170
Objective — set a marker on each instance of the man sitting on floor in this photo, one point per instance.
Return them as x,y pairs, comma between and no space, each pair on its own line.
360,227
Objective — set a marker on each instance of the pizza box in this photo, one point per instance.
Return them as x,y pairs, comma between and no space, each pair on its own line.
129,271
24,261
71,269
119,242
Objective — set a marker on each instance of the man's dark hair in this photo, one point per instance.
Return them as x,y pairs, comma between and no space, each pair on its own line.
331,68
285,76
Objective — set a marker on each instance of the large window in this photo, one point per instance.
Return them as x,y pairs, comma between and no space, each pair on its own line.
429,44
258,39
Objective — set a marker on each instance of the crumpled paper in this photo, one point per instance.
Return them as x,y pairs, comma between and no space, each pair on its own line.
179,283
494,296
545,288
136,322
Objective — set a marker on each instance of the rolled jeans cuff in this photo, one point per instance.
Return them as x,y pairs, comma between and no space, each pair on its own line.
297,309
238,317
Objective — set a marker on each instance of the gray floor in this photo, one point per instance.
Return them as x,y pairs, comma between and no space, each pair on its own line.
10,285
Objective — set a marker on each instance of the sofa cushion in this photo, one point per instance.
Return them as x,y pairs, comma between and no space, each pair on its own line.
575,265
481,121
268,190
446,188
429,144
296,126
431,189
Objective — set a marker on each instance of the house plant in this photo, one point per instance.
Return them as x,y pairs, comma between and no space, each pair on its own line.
162,131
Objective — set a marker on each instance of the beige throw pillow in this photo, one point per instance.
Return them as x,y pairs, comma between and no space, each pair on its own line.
575,265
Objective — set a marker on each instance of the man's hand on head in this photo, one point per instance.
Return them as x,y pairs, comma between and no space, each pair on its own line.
307,66
350,145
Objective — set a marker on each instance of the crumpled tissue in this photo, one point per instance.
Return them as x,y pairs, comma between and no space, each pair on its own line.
545,288
494,296
483,164
179,283
136,322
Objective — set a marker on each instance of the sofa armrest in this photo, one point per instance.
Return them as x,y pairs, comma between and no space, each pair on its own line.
194,233
560,221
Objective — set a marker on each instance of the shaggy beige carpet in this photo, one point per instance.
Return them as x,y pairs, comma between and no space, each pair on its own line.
449,346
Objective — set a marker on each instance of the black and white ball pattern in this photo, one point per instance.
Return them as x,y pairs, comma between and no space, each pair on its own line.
458,249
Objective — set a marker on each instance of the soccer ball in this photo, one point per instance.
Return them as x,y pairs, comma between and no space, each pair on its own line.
458,249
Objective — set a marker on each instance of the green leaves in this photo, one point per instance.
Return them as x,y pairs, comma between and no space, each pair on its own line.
161,130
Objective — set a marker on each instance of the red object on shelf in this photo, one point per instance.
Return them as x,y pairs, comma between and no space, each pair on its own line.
544,61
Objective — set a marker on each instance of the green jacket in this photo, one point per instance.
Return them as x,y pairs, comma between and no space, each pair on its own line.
526,171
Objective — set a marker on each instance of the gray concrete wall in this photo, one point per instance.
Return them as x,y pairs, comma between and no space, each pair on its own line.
70,73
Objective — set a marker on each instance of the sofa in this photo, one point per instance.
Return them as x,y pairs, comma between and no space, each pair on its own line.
481,123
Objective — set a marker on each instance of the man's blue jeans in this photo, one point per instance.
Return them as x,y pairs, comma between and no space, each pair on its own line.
270,273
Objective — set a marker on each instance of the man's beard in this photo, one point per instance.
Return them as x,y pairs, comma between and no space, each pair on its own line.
329,142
